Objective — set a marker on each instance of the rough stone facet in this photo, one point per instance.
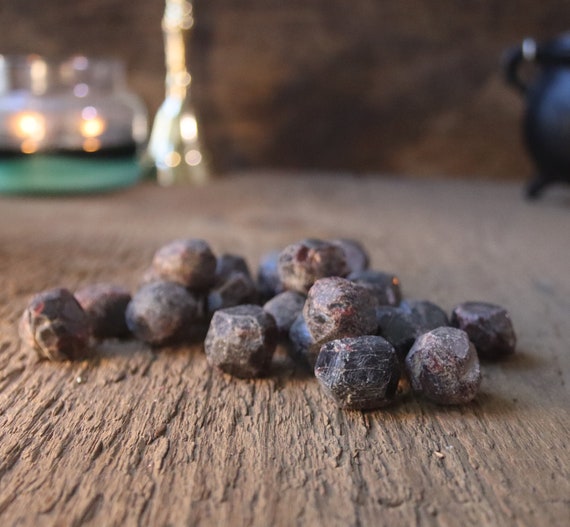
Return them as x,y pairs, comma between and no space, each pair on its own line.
303,263
56,326
443,366
489,327
187,262
337,308
241,341
360,373
162,313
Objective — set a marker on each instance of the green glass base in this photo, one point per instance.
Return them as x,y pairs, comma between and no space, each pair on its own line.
50,174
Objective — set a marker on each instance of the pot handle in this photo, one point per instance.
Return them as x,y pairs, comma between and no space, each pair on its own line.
527,51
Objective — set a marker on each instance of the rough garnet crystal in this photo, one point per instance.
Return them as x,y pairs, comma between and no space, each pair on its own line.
162,313
443,366
303,263
359,373
105,305
337,308
285,308
489,327
55,326
303,347
400,328
187,262
235,289
241,341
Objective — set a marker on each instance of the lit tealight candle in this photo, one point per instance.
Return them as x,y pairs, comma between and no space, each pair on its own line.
31,128
91,127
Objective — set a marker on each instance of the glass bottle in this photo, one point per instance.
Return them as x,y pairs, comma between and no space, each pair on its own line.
175,149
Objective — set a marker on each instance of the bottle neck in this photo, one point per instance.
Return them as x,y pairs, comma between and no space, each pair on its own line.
176,25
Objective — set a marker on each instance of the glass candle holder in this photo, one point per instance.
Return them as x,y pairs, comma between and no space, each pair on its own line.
68,126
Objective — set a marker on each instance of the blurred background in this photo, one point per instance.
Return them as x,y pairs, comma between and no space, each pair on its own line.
412,87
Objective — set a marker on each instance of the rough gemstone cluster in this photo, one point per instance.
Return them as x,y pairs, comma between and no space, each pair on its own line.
344,321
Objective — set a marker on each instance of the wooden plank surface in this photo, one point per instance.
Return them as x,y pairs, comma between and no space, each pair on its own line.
142,437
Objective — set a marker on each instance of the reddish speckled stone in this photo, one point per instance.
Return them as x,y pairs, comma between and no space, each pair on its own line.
190,263
56,326
241,341
303,263
489,327
337,308
443,366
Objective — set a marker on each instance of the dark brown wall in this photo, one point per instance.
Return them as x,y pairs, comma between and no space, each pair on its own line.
412,86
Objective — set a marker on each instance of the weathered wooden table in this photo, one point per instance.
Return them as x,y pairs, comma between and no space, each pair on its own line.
143,437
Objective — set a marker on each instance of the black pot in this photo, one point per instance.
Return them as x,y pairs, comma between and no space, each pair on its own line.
547,117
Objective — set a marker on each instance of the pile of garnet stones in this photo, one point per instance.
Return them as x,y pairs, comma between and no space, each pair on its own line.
340,319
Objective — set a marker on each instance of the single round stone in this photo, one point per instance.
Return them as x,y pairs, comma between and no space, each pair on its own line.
56,326
303,263
489,327
162,313
237,288
337,308
105,305
187,262
285,308
268,281
303,347
384,286
241,341
443,366
360,373
357,258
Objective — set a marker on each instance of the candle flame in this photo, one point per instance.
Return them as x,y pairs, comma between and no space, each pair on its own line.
92,127
29,126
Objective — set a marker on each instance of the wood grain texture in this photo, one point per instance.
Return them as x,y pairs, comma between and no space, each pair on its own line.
143,437
411,87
